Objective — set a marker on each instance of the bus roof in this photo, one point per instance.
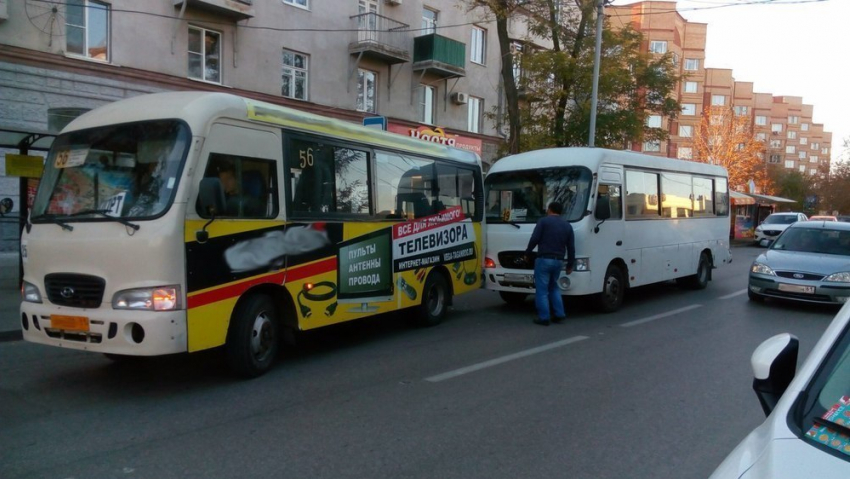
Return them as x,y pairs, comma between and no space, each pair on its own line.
197,109
592,158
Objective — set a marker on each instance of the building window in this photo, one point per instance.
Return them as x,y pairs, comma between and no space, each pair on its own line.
429,21
675,59
775,158
718,100
298,3
474,112
804,126
776,127
813,159
654,145
776,143
478,45
658,46
803,140
690,87
802,168
686,131
793,120
792,135
685,153
516,53
761,120
825,150
716,120
367,87
802,155
426,104
295,76
815,145
691,64
761,136
813,171
87,29
789,163
742,110
790,149
653,121
204,55
689,109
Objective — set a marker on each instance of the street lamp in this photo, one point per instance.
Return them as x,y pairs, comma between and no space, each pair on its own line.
600,8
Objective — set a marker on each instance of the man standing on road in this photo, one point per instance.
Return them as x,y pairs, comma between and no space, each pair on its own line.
553,237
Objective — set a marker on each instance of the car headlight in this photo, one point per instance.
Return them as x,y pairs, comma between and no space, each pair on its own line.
839,277
161,298
30,293
761,268
758,228
581,264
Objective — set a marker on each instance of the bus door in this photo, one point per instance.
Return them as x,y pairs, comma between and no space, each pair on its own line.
609,242
240,243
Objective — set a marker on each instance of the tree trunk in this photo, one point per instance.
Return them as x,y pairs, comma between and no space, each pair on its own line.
508,80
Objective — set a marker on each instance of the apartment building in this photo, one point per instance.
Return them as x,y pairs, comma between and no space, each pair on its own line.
784,123
431,67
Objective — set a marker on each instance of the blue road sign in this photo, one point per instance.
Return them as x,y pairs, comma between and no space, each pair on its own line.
378,122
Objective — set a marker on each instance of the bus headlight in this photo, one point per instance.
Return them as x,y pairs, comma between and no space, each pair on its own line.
582,264
163,298
30,293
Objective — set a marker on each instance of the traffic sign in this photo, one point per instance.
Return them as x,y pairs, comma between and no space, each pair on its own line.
377,122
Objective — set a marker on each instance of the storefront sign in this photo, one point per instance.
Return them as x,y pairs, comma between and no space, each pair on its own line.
438,135
27,166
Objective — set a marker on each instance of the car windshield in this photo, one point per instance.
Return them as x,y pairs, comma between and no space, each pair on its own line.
780,219
822,410
119,171
523,196
814,240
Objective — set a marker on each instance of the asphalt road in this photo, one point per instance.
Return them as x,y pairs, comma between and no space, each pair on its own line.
660,389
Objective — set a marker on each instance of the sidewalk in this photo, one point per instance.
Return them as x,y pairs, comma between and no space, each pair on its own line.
10,298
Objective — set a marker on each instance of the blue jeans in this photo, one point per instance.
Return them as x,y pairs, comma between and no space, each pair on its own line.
546,274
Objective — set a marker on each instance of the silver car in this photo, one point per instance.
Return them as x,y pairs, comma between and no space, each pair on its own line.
809,261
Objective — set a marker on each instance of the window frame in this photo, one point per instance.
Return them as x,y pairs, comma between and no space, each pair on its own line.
88,8
689,63
203,54
428,25
478,45
294,70
689,111
239,161
479,114
655,43
695,87
365,90
294,3
428,106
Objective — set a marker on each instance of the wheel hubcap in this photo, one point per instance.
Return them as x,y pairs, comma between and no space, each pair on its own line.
435,300
612,287
262,336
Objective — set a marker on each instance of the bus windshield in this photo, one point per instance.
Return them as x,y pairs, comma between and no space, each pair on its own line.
118,171
522,196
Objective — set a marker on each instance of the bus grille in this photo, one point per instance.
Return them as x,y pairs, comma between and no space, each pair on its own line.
75,290
516,260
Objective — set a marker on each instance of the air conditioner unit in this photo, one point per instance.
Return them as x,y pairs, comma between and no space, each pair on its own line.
393,2
460,98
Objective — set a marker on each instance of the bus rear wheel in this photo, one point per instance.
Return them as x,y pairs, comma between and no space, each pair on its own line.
512,297
700,279
436,298
613,290
253,339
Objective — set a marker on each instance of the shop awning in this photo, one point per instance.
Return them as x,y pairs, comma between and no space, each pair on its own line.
770,199
742,199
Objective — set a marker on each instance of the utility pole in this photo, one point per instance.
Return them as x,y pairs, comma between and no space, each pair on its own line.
600,7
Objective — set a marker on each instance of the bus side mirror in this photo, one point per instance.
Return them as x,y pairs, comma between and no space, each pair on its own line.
603,208
774,365
211,202
6,205
211,197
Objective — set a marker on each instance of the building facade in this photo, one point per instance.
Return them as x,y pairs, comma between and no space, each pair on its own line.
431,67
784,123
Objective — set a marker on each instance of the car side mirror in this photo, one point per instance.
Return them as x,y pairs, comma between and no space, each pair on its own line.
774,365
603,208
6,205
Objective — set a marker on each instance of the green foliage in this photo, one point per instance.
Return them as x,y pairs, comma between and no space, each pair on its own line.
791,184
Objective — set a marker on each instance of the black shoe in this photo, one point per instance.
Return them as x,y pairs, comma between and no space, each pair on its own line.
541,322
559,320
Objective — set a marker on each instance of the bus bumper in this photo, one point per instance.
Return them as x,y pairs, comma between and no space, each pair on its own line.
522,281
131,333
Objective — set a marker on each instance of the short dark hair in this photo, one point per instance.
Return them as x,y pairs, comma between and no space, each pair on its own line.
556,207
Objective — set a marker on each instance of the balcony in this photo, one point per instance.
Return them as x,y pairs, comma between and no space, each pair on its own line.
234,9
439,55
380,38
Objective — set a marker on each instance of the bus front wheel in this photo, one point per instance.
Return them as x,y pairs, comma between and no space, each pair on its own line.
436,297
253,339
512,298
700,279
613,290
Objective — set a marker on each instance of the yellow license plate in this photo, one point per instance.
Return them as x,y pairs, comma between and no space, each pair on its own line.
69,323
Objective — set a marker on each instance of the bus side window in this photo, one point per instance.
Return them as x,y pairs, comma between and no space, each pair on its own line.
611,194
249,185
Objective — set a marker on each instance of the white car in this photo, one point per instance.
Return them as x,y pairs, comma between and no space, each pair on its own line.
807,431
775,224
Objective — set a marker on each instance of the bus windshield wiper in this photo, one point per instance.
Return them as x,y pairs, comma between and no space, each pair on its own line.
514,224
104,213
52,218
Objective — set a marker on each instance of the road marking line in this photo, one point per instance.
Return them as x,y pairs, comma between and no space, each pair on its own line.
659,316
504,359
737,293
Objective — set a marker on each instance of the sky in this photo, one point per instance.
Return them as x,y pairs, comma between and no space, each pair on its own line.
785,47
